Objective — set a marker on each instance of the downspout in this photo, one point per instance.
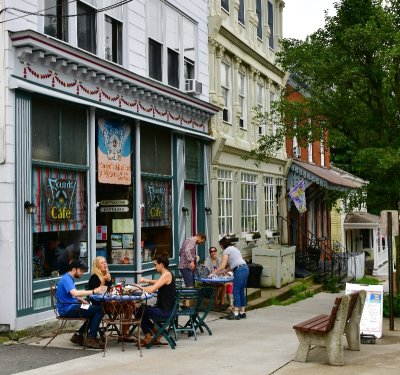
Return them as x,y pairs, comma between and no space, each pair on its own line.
2,85
138,203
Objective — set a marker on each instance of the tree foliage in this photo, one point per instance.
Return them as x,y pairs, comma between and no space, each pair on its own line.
350,71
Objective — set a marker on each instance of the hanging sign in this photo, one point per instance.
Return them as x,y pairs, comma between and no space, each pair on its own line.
60,198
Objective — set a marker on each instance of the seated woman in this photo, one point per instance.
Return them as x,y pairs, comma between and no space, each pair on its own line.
100,275
165,286
212,263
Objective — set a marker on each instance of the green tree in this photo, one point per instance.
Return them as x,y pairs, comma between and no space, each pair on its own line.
350,70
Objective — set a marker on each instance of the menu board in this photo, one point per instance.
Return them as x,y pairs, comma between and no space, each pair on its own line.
372,316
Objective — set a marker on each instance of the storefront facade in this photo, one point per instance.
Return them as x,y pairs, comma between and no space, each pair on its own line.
107,162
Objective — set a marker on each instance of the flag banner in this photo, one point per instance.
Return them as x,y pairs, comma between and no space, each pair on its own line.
298,196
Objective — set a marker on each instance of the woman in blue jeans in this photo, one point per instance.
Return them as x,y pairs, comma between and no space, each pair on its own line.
232,257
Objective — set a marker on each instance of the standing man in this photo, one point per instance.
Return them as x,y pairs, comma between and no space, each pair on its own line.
188,258
70,304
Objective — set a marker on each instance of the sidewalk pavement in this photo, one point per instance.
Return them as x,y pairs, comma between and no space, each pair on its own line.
264,343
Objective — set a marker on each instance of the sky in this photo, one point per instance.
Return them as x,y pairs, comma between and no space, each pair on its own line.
303,17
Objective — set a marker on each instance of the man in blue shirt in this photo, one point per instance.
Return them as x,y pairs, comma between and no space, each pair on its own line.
71,304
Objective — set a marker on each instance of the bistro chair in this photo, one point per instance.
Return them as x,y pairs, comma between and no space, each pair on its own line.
63,320
123,311
190,296
163,325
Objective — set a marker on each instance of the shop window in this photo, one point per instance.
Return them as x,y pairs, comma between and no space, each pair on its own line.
86,27
114,192
113,40
59,186
241,12
59,132
60,224
155,150
156,219
193,162
56,19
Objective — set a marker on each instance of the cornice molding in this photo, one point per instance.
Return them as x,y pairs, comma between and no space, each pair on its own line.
224,32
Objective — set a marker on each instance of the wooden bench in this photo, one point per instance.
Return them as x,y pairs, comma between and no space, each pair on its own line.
327,330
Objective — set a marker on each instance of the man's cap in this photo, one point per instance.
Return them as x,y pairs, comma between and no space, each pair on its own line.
78,264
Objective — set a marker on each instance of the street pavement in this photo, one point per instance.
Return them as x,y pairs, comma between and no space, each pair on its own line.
264,343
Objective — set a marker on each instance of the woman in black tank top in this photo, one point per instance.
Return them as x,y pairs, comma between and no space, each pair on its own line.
165,286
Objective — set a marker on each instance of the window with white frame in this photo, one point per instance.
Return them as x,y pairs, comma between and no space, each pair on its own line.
225,202
189,48
113,40
270,206
225,90
271,103
86,27
172,51
241,12
260,107
259,16
249,202
242,89
56,19
271,17
225,5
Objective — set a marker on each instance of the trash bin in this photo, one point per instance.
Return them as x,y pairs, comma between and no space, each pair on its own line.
255,270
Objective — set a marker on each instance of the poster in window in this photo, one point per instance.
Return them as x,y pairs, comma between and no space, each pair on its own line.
114,152
155,197
116,240
60,198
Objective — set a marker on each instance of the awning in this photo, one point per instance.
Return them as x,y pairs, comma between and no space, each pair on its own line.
360,220
323,177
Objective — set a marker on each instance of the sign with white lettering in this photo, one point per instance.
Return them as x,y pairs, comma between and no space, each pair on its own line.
114,209
114,202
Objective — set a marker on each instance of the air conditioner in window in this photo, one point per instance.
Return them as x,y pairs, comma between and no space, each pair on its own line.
296,152
192,86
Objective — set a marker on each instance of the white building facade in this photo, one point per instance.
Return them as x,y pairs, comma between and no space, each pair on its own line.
104,140
247,198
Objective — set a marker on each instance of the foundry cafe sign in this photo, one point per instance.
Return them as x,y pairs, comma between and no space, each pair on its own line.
60,198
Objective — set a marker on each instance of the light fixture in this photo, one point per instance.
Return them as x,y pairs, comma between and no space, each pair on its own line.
185,211
30,208
208,210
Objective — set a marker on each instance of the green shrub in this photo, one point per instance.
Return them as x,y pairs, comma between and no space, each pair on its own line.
332,284
396,305
368,281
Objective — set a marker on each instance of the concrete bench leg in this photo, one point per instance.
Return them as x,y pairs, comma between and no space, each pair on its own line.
304,347
352,332
334,348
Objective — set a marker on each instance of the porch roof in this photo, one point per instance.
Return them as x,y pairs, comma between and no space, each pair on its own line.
322,176
361,218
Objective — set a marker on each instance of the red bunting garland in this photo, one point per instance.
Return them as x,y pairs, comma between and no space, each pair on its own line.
99,91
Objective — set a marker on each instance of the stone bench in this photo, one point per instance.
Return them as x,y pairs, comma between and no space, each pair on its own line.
327,330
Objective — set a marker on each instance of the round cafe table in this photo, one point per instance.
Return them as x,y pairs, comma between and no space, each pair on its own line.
215,282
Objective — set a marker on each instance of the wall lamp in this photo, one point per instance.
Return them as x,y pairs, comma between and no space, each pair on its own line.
208,210
185,211
30,208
